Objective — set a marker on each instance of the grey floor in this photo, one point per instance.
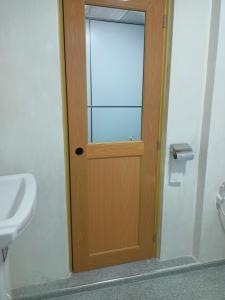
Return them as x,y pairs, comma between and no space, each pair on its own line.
206,284
100,278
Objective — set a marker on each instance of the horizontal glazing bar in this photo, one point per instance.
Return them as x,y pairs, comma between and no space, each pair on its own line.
113,21
111,106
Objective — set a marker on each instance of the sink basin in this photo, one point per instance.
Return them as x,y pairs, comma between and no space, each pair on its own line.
17,202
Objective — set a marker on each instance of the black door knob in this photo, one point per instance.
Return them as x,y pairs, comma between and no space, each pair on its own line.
79,151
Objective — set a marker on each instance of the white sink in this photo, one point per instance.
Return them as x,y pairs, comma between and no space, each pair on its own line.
17,203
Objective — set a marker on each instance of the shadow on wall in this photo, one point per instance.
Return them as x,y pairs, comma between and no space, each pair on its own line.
177,171
179,155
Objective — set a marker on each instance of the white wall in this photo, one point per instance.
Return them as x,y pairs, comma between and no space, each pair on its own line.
32,134
186,98
206,123
191,222
212,238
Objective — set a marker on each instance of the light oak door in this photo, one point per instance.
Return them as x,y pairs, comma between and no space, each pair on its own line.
114,73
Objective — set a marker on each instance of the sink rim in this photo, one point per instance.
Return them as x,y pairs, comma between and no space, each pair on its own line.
11,227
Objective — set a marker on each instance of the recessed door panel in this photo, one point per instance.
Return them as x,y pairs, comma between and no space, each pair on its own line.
114,63
114,193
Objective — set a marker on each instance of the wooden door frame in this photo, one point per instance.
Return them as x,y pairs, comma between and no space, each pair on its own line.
163,118
169,14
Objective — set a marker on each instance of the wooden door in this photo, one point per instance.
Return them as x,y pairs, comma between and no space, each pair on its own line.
113,184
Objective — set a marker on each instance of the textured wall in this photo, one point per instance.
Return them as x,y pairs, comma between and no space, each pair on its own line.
32,134
212,237
186,99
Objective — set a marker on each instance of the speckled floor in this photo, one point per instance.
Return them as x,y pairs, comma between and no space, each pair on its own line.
101,278
205,284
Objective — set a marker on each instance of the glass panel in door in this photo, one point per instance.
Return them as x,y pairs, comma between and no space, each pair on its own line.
115,56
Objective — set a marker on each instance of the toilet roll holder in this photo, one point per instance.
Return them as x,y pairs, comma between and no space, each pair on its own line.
181,152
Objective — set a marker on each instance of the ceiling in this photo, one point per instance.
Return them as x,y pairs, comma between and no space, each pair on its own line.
114,15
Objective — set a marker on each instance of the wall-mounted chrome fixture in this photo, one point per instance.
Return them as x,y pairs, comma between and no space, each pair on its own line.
179,155
181,152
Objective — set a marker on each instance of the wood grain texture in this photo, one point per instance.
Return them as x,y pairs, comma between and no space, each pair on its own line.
75,52
152,93
109,182
65,129
121,149
141,5
114,195
169,9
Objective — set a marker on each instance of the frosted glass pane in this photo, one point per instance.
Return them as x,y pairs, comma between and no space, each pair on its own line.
88,66
116,63
116,124
89,125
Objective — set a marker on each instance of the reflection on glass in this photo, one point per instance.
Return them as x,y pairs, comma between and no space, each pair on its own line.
115,53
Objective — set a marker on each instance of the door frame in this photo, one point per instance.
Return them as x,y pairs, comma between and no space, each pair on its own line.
169,16
162,124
